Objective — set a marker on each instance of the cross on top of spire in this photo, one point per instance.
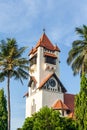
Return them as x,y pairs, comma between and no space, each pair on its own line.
43,30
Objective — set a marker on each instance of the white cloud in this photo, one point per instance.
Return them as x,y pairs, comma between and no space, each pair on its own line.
17,17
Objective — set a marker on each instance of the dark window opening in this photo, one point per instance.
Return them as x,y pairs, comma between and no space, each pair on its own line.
33,60
68,111
58,89
33,107
50,60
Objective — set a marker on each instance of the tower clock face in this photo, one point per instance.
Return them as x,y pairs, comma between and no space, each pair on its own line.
52,82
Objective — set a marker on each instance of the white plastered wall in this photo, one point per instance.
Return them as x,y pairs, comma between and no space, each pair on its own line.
38,101
42,98
50,97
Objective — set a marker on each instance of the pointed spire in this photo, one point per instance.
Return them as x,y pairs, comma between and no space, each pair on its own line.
44,42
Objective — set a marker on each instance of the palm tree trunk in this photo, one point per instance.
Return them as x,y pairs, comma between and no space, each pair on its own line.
8,99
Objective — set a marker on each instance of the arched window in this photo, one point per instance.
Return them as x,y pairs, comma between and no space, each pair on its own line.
33,106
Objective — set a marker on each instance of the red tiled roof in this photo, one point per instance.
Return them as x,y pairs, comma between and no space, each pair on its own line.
60,105
44,42
56,48
45,80
48,77
50,54
33,51
69,101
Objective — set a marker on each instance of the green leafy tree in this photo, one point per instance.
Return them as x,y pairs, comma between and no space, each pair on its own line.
77,56
28,124
81,105
48,119
3,111
12,64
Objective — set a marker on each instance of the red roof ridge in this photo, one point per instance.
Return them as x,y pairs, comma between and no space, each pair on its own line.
69,94
45,80
42,41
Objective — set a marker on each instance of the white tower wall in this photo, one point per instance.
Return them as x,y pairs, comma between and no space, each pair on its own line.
41,97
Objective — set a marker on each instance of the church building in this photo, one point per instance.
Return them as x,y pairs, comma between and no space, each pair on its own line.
45,87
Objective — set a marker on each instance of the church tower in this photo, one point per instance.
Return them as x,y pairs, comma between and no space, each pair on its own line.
44,85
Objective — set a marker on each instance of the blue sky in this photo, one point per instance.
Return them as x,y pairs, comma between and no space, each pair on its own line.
24,20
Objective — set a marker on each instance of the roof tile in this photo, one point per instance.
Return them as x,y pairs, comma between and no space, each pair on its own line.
44,42
69,101
60,105
45,80
50,54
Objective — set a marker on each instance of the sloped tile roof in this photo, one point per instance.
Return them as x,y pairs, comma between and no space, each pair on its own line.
44,81
48,77
33,50
46,43
69,101
59,105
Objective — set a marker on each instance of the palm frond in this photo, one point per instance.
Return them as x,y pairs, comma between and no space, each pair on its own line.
2,76
11,43
78,43
73,53
77,55
77,64
22,63
17,76
23,73
79,30
20,52
11,59
82,31
20,74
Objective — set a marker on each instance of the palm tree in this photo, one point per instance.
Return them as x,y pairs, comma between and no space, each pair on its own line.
12,64
77,56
